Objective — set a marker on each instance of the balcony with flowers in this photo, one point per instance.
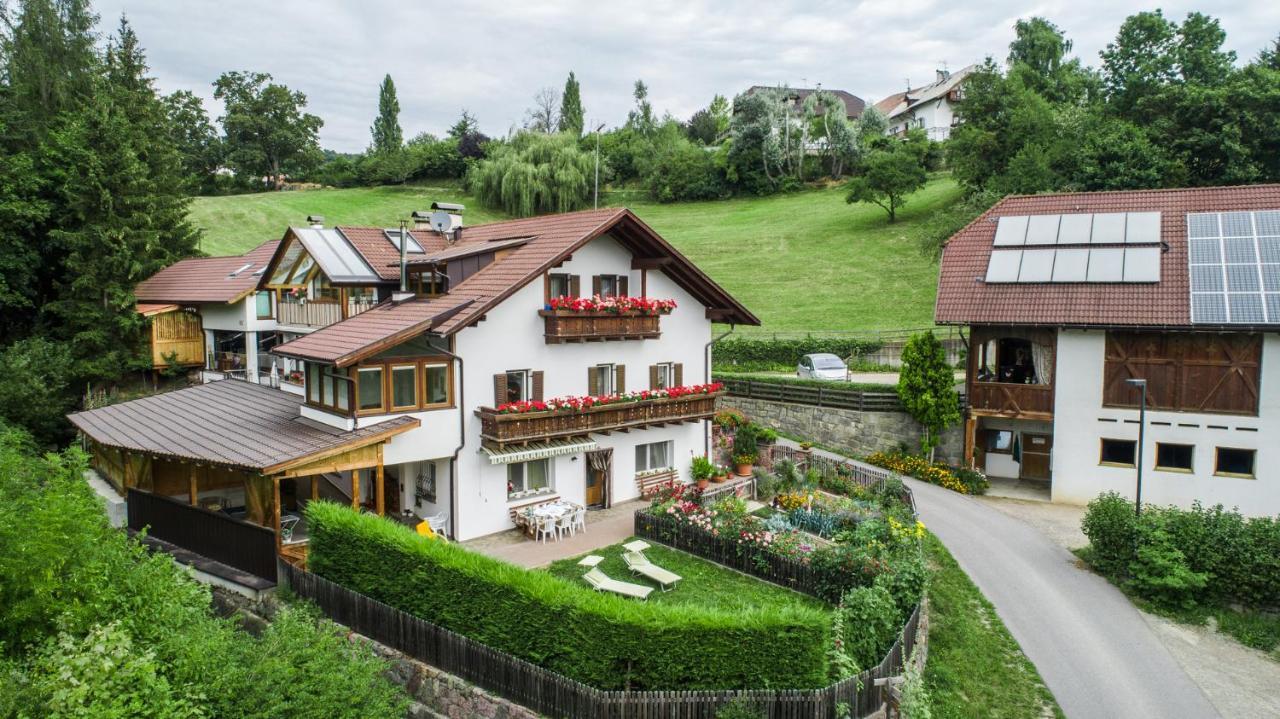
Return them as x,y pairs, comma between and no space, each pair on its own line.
599,319
517,423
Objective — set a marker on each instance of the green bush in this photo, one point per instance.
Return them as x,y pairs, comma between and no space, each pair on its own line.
1112,529
602,640
686,172
871,624
758,377
746,354
1160,572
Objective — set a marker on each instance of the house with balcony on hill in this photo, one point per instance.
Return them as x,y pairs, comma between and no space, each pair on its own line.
929,107
557,357
1073,301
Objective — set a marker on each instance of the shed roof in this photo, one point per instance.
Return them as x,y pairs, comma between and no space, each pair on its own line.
207,279
965,297
229,422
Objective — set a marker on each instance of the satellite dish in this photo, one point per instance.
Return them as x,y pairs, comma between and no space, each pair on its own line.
444,222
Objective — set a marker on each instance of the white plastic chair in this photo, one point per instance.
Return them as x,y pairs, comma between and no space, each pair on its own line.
579,520
564,525
439,523
546,526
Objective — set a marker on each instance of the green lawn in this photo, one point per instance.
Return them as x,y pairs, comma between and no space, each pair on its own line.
975,668
703,583
805,261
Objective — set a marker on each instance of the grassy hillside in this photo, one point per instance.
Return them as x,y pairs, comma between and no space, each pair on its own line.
802,262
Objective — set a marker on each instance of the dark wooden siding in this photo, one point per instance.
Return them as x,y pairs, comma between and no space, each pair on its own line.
1215,373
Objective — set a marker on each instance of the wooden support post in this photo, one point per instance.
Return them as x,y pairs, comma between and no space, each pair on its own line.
355,489
275,510
192,488
380,499
315,486
127,467
970,438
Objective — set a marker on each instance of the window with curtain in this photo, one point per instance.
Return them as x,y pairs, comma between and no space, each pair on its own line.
665,376
404,386
654,456
518,385
525,477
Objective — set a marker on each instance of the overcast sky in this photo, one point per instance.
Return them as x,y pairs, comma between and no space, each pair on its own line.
490,57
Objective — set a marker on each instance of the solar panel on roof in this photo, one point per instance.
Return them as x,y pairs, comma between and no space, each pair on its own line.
1270,278
1234,269
1106,265
1203,224
1207,278
1237,224
1003,266
1205,250
1043,229
1267,223
1208,307
1037,266
1071,265
1142,228
1272,304
1270,248
1011,230
1075,229
1243,278
1108,228
1246,308
1142,264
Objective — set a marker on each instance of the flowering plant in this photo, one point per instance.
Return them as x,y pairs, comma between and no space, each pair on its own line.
577,404
614,305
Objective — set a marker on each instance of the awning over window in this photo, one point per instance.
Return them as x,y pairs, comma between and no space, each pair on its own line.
538,450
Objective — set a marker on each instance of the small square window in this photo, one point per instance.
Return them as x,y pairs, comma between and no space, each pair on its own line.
1119,452
664,376
1175,457
370,388
999,441
605,376
518,385
558,286
1233,462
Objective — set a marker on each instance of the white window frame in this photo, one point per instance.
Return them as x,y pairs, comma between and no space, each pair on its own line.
666,375
645,452
514,492
526,385
607,379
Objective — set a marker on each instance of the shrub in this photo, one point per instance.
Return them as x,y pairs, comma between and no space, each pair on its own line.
871,624
958,480
686,172
1112,529
1160,572
740,709
750,354
602,640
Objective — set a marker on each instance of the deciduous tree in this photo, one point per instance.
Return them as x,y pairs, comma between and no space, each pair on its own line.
926,386
544,116
269,134
886,178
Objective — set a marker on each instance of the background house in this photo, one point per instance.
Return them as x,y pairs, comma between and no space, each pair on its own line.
795,96
1069,296
930,107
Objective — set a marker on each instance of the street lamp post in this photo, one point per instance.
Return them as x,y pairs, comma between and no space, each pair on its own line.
1141,384
597,192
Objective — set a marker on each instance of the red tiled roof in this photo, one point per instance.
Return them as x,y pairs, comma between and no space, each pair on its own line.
381,254
965,298
206,279
550,239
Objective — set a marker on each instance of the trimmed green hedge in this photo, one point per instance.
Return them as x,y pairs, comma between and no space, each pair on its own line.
601,640
747,354
722,376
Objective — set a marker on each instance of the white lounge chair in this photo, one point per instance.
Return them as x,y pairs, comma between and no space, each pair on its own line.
602,582
638,563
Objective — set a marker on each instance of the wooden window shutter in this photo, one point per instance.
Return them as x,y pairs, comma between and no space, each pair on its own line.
595,285
619,379
575,285
537,386
678,372
622,286
653,376
593,381
499,389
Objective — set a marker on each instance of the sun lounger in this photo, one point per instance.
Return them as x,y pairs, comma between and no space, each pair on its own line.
604,583
640,564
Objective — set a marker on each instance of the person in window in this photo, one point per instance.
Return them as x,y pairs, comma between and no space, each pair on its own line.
1021,371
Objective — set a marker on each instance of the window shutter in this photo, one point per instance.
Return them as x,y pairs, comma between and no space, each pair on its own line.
593,382
622,286
595,285
537,386
499,389
653,376
678,379
575,289
619,379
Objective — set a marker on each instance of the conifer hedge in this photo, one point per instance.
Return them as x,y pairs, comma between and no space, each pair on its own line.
601,640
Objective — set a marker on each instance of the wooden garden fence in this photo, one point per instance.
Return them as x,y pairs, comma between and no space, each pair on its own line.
555,695
833,396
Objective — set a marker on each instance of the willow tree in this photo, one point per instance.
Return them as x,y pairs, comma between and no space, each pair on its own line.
533,173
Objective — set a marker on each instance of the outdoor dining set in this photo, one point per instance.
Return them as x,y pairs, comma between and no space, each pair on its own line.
553,520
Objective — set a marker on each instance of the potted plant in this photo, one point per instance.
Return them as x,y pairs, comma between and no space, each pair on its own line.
745,450
744,462
702,471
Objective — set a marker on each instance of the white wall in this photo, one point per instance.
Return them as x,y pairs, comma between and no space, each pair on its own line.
1081,422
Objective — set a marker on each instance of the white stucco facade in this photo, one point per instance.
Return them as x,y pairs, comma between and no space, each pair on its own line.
1081,422
934,116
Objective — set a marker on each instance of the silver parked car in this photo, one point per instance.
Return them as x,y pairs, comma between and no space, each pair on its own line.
822,366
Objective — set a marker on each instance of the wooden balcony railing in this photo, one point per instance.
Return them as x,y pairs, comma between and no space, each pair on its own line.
1034,401
499,430
566,326
317,314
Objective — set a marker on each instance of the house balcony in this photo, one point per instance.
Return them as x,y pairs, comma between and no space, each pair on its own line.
575,326
499,430
316,314
1005,399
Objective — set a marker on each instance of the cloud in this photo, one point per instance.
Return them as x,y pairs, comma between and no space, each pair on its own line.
490,56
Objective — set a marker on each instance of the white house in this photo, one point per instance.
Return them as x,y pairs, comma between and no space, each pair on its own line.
1069,297
930,107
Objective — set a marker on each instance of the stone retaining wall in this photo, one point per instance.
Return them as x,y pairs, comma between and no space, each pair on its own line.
847,430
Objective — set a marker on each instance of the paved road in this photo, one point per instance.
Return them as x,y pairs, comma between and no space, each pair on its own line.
1093,649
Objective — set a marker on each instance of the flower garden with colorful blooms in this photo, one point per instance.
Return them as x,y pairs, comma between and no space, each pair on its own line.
613,305
578,404
957,479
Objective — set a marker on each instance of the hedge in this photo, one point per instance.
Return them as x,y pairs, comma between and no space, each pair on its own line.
602,640
1240,557
787,379
745,353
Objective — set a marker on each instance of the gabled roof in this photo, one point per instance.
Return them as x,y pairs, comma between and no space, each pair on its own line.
207,279
853,105
230,423
965,297
548,241
900,102
384,256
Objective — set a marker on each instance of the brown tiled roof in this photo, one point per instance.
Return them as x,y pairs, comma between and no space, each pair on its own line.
206,279
146,310
891,102
965,298
229,422
384,257
551,238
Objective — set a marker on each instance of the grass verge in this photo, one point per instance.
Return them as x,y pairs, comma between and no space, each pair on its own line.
975,668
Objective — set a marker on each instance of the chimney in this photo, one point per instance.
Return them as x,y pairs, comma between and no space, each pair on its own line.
446,218
421,220
943,75
404,292
316,221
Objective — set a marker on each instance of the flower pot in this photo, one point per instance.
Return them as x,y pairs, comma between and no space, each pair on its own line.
720,478
744,470
703,482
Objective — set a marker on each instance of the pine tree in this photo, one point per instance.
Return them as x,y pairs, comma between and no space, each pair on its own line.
571,107
387,136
